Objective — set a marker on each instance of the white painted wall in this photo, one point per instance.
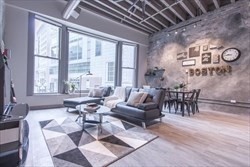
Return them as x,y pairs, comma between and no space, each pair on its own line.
16,39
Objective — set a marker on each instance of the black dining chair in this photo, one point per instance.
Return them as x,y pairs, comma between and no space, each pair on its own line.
170,100
195,103
188,102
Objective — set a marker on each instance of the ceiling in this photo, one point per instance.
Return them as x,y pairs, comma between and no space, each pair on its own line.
150,16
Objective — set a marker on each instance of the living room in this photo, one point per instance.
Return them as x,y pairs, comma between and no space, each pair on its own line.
135,44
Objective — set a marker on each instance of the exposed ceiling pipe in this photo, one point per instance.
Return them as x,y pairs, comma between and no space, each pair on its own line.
70,9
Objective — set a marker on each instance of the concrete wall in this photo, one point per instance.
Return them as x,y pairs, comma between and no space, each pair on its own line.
16,38
226,27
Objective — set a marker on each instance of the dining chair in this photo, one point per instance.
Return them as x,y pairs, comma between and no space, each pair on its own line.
197,94
170,100
188,102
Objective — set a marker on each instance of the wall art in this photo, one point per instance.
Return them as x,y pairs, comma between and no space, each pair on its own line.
216,58
181,56
190,62
205,47
206,58
194,51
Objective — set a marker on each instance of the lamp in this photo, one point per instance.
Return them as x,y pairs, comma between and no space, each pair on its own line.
70,9
88,73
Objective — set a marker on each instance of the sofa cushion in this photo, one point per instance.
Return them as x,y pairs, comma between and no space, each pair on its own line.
134,98
96,92
147,106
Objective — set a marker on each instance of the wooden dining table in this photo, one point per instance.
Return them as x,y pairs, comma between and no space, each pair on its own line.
182,94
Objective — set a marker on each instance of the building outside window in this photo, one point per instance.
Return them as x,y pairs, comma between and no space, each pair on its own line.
110,71
128,65
98,48
83,59
46,55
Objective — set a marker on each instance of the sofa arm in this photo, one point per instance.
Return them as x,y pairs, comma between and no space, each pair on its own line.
147,106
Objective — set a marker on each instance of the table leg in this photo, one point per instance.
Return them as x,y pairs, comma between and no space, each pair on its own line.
100,120
83,119
182,104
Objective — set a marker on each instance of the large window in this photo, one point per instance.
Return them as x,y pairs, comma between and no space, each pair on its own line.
46,55
58,53
128,65
85,60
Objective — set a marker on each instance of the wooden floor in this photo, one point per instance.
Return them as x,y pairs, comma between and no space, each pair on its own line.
207,138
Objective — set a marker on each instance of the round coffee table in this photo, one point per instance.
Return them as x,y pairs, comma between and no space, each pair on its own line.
102,110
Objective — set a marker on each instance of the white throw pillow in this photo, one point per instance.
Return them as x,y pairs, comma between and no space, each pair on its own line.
96,92
134,98
143,98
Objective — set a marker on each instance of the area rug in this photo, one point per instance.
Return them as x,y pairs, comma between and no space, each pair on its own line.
70,145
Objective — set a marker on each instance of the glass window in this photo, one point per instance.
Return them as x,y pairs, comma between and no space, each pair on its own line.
46,54
128,65
83,59
98,48
111,72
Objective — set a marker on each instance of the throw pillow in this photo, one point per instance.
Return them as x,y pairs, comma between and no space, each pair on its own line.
134,98
98,92
90,94
143,98
149,99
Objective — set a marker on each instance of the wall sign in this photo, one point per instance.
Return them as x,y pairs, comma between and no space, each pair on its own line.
219,70
190,62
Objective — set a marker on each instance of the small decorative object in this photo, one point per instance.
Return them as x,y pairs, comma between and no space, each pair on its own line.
206,58
69,87
230,55
194,51
181,56
205,48
190,62
216,58
213,47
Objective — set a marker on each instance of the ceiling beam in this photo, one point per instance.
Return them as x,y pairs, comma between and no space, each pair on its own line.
134,14
177,11
127,16
188,7
217,3
161,10
146,13
165,15
201,4
133,23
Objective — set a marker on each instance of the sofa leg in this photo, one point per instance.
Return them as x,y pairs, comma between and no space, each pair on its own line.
143,125
161,119
67,109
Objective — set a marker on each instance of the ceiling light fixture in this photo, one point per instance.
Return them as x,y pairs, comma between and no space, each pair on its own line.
71,9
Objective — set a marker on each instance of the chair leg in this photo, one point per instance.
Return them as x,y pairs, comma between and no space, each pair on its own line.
169,106
197,108
67,110
143,125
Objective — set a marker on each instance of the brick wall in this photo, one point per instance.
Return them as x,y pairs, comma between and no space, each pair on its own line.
223,28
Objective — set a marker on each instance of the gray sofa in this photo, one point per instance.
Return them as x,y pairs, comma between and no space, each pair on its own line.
73,102
145,112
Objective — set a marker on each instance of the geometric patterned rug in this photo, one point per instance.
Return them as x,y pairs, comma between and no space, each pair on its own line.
70,145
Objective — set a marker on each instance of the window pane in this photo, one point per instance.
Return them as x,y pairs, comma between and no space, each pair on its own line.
46,75
46,39
128,56
127,77
110,72
83,51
